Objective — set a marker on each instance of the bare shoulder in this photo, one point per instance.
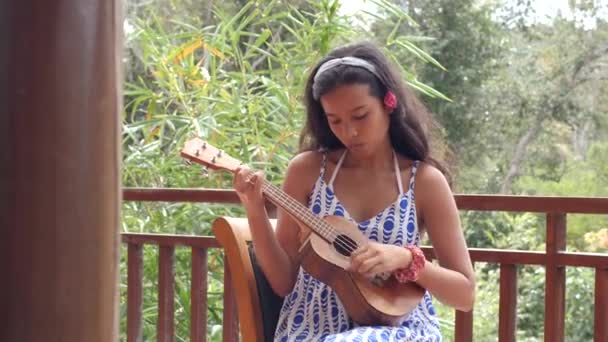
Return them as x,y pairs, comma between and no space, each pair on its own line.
305,164
302,172
432,188
428,176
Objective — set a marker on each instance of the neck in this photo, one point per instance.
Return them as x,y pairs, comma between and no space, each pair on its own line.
381,159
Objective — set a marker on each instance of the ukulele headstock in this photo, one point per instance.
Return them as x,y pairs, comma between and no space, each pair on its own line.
201,152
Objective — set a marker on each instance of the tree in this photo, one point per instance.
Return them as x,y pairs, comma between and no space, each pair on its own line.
463,38
561,80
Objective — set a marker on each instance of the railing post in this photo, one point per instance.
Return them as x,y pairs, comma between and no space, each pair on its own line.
464,326
600,324
230,327
134,292
198,295
555,278
507,317
166,291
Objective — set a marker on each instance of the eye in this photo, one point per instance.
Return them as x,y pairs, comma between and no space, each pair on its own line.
334,122
360,117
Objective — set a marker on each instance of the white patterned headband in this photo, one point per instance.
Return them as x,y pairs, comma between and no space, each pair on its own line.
332,63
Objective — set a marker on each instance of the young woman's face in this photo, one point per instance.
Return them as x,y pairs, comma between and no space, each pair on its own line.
358,119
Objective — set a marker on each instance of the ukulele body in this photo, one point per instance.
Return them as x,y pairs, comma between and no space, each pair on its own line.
365,302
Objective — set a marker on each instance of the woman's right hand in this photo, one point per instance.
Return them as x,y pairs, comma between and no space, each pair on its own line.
248,186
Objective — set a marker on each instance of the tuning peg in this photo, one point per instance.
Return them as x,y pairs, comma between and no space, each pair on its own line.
205,171
197,153
204,146
219,153
187,162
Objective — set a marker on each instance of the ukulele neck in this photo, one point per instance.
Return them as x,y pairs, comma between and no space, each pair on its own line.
298,211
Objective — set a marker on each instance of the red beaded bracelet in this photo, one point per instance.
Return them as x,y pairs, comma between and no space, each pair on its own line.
411,273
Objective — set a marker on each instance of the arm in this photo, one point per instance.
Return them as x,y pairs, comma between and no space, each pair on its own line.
452,281
277,251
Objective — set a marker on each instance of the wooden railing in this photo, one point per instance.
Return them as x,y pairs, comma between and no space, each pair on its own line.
555,259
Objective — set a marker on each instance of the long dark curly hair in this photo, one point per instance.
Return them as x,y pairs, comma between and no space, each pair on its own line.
412,126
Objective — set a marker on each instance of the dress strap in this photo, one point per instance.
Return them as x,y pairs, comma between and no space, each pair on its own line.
413,177
323,163
335,173
398,173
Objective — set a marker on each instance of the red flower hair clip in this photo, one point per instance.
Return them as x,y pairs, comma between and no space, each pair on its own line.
390,100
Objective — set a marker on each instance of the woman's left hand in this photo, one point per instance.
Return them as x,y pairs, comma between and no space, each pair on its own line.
375,258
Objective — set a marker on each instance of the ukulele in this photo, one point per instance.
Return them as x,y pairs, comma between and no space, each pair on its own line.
325,252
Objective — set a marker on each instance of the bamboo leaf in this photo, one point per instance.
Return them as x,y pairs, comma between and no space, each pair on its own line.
420,53
187,51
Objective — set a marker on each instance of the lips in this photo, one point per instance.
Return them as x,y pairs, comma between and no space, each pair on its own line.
356,146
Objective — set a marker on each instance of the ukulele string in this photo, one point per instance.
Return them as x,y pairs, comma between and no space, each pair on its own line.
348,245
340,240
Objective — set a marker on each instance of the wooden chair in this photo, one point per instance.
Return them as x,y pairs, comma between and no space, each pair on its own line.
257,305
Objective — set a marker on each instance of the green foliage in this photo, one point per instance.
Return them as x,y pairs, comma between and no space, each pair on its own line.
462,36
238,84
234,75
587,177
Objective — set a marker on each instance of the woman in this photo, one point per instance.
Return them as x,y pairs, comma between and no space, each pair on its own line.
365,153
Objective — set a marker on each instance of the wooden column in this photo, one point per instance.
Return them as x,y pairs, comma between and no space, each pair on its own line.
60,103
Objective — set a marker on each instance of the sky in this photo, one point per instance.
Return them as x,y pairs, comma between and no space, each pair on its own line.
545,9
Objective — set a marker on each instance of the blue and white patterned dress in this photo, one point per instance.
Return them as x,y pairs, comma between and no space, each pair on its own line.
313,312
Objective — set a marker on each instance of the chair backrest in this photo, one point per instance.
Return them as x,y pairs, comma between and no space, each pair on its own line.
270,302
257,305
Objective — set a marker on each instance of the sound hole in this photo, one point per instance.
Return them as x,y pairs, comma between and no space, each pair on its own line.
344,245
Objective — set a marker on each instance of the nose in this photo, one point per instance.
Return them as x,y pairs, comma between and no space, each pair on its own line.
351,130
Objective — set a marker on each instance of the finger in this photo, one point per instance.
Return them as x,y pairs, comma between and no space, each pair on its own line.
358,260
240,180
365,254
369,265
374,246
355,263
249,180
236,181
359,250
242,172
236,176
258,180
257,176
245,175
253,178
